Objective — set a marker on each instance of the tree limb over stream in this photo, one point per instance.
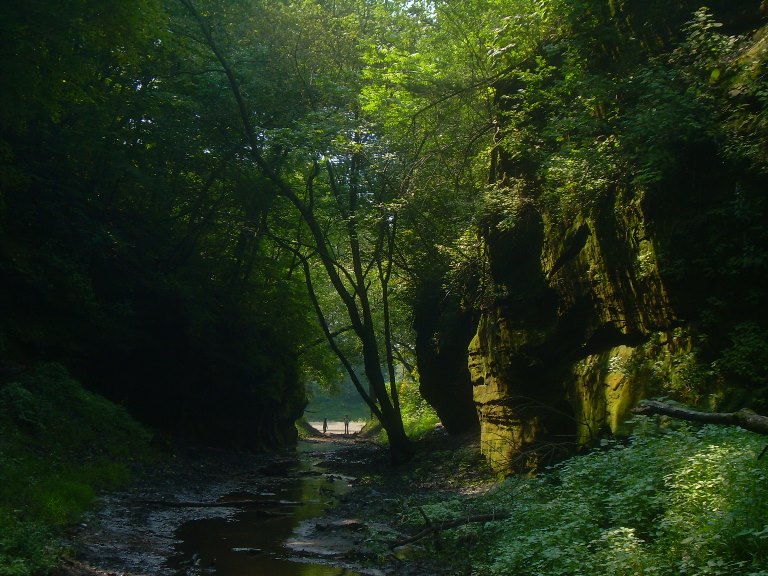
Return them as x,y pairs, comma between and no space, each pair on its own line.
437,527
743,418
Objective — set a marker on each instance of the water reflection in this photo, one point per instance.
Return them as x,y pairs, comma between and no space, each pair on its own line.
251,541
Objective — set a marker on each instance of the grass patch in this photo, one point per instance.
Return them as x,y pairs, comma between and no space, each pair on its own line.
60,445
334,404
419,418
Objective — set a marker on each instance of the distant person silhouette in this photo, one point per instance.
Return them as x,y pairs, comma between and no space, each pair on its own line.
346,425
325,425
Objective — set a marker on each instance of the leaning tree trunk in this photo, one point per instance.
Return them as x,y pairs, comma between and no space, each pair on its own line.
360,318
400,447
744,418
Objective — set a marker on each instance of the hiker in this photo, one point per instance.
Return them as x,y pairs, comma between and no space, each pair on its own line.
325,425
346,425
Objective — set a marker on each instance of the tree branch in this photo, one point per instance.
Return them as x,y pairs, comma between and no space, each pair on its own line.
437,527
744,418
283,186
319,341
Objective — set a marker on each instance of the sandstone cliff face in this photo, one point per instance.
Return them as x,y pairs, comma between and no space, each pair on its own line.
560,353
632,269
577,325
624,238
546,361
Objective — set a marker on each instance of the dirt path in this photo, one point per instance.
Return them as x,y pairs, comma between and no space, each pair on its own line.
336,428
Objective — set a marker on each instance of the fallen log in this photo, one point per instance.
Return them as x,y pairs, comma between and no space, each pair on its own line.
437,527
744,418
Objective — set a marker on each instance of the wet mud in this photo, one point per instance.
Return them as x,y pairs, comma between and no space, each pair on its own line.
334,507
231,514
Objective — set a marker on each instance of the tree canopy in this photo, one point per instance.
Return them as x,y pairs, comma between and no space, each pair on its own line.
195,193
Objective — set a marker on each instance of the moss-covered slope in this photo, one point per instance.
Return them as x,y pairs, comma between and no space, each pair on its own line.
59,445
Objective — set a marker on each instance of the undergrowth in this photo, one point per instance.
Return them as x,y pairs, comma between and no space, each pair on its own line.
59,445
419,417
689,501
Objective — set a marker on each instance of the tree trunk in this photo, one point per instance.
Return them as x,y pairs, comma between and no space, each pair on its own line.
385,273
357,301
744,418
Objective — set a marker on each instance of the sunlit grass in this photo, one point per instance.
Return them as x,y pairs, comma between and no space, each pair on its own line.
419,417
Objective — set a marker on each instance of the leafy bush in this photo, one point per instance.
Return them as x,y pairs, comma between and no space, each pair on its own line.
19,403
667,502
25,547
747,357
70,416
418,416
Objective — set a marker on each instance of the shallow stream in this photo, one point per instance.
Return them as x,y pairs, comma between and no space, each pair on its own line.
226,517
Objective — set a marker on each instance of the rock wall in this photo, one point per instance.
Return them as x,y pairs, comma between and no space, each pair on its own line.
602,287
629,299
623,231
575,327
444,329
574,308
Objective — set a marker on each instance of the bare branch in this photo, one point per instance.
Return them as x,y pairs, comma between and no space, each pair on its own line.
437,527
744,418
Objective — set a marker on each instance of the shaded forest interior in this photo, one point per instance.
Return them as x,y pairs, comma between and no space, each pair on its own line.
521,219
206,206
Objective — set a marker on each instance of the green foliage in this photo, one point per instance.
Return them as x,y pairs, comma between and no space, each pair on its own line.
60,445
646,112
668,502
419,417
20,403
132,233
57,400
335,403
26,547
578,178
672,368
747,357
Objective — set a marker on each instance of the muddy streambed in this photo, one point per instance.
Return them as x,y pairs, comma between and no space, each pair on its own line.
227,514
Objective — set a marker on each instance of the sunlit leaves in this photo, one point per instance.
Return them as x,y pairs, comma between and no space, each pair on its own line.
670,502
524,26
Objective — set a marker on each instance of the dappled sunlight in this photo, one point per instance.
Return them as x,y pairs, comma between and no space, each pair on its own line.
690,499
